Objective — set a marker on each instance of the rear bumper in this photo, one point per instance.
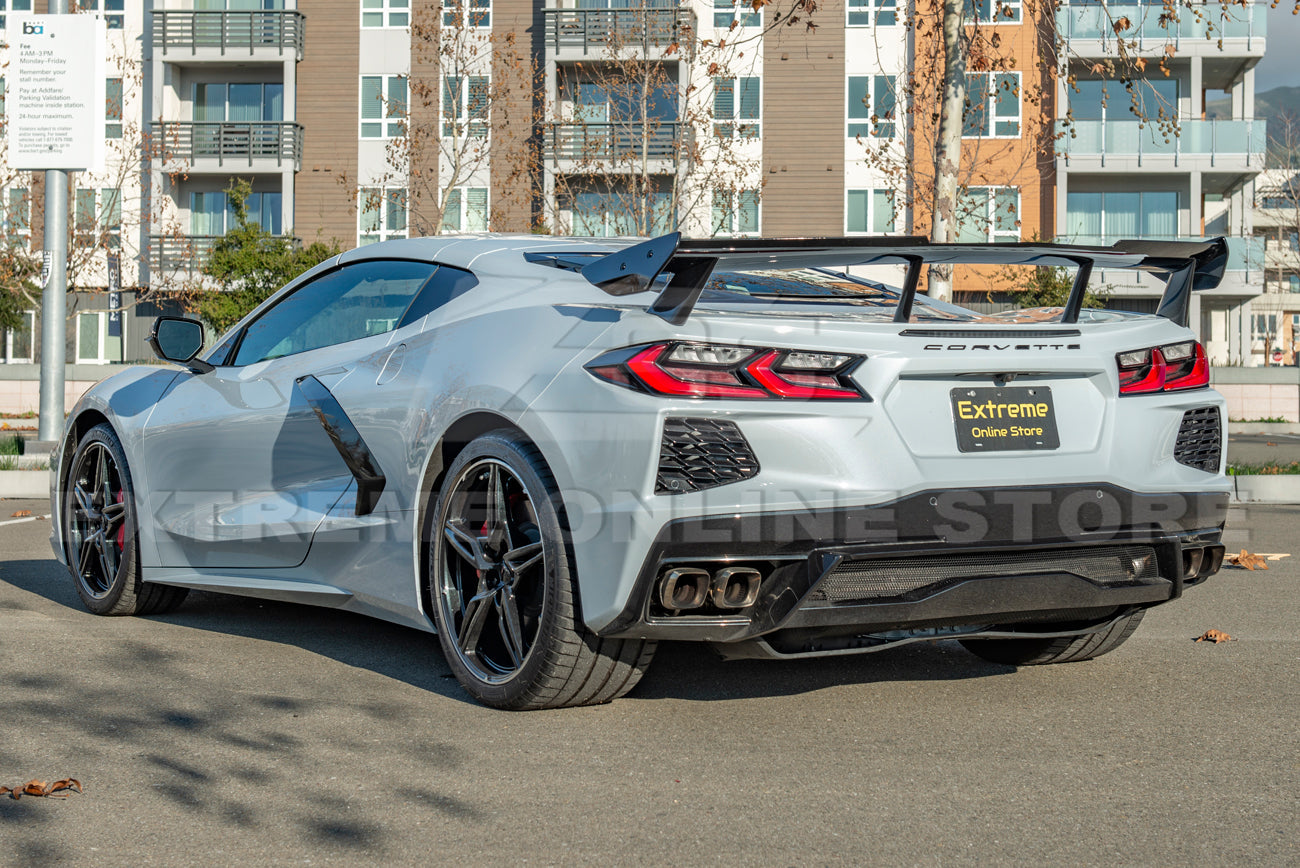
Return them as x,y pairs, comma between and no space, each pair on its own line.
800,553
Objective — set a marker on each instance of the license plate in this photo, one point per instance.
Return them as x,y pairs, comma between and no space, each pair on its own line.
1000,420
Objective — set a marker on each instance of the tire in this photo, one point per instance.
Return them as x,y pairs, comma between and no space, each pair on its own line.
101,533
1066,649
504,587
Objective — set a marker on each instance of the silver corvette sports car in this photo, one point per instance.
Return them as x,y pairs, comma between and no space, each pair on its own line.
556,452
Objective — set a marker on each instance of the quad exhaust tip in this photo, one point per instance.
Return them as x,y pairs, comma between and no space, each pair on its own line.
684,588
735,587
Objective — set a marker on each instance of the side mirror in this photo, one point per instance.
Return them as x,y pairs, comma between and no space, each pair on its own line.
177,339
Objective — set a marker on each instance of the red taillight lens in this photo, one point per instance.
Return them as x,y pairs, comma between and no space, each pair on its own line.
1186,371
722,371
1171,368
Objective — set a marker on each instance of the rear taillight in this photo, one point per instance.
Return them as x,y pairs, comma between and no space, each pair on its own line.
1171,368
691,370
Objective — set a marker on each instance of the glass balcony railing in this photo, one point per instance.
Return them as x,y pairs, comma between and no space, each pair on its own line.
1198,139
1151,25
1245,253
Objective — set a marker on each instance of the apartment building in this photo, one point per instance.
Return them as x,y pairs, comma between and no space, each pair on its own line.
366,120
1275,318
1175,173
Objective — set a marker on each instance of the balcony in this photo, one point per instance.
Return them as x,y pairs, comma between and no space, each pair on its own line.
173,255
213,35
580,33
1089,28
265,146
612,147
1130,146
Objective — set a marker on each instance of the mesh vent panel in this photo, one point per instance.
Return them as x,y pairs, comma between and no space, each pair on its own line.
695,454
888,578
1199,442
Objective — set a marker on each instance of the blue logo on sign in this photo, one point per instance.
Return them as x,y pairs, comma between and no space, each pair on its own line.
33,29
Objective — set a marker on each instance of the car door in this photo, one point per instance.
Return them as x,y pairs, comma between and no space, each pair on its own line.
241,467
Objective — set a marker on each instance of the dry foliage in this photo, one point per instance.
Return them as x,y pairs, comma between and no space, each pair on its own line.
22,513
1215,636
1248,561
57,790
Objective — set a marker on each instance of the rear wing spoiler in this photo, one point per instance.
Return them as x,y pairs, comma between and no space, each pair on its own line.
1184,266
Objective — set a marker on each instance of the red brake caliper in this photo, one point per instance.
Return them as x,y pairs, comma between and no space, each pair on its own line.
121,531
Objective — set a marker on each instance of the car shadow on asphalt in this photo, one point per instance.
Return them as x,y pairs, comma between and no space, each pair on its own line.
681,670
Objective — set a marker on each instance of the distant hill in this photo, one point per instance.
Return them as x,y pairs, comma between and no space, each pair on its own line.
1269,106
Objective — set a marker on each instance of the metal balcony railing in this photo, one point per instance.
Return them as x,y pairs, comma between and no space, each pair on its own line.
1199,139
612,145
588,30
188,253
281,29
1094,21
230,141
1245,253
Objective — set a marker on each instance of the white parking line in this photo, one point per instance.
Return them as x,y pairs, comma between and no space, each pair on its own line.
28,518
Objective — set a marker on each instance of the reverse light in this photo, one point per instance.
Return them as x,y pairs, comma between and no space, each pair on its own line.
694,370
1170,368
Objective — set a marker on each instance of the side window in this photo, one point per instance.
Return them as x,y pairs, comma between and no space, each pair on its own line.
447,283
356,301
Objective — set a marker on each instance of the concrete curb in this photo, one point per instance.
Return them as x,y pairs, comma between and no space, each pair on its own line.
24,483
1279,488
1264,427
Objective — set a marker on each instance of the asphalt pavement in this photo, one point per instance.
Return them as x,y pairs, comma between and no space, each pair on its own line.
236,730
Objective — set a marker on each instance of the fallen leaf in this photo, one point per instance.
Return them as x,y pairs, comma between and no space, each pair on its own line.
1248,561
57,790
22,513
1269,443
1215,636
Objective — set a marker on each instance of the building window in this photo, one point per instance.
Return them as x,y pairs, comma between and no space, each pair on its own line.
113,108
992,105
465,105
727,11
211,212
381,214
385,13
730,107
383,106
238,102
872,13
1121,214
16,344
1276,202
18,214
466,210
1263,326
98,218
1293,284
993,11
869,211
620,213
467,13
1113,100
13,6
735,212
113,10
872,105
988,214
94,345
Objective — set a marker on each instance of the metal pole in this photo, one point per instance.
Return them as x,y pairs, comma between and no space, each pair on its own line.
54,298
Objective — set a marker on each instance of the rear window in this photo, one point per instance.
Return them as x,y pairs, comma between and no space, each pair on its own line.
806,284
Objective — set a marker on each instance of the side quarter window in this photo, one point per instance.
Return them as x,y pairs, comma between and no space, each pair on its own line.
349,303
447,283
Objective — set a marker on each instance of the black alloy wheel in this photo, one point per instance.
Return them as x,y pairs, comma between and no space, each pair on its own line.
100,532
503,586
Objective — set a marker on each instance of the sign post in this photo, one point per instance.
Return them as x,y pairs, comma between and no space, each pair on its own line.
55,101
